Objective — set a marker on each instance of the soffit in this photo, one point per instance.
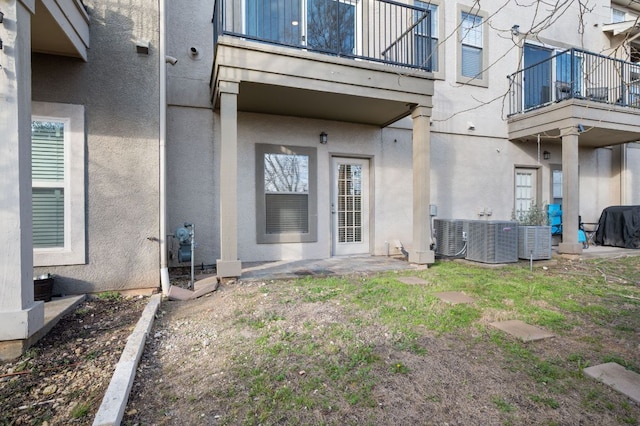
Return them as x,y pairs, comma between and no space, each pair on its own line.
603,125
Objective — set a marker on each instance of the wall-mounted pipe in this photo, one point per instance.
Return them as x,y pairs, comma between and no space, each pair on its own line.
162,145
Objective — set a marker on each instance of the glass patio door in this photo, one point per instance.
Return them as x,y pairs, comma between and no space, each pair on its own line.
324,25
537,79
331,26
350,206
277,21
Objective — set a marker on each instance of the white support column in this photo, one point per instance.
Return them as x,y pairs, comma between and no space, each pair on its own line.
421,252
228,265
570,195
20,316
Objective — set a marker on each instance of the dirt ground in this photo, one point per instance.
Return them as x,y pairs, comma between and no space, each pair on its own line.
189,372
62,379
185,376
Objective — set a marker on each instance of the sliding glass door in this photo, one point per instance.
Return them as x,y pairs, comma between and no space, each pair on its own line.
325,25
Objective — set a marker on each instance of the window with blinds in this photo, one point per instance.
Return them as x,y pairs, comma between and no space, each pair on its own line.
286,185
617,15
285,194
48,183
472,45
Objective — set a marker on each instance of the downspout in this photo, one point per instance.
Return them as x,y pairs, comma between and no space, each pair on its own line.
164,270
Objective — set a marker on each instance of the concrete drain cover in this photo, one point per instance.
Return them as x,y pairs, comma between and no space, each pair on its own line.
522,330
412,280
618,377
454,297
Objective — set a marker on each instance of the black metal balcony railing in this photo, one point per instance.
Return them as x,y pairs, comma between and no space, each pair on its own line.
378,30
575,74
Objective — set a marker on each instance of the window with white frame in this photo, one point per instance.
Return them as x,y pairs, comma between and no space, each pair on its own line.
286,194
424,52
57,170
617,15
471,40
472,47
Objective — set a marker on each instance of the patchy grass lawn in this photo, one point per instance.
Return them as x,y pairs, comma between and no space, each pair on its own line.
372,350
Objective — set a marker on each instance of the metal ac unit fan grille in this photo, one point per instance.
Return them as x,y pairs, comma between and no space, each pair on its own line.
449,241
534,242
492,241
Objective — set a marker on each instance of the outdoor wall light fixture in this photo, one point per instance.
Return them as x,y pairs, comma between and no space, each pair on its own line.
1,17
0,44
324,138
546,155
515,30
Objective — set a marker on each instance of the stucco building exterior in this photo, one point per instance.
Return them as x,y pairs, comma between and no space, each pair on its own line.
296,130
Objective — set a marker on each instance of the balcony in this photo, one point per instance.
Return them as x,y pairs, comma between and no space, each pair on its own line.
576,89
366,62
380,30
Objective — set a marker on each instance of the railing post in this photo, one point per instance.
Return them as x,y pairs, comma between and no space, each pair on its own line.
429,47
573,72
364,28
623,84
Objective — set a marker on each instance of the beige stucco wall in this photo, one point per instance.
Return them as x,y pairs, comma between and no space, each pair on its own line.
469,174
119,90
191,180
390,159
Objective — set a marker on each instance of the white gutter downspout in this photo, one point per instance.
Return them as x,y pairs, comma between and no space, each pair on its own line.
164,270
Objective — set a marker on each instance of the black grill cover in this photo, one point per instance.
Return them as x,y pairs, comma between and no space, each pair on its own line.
619,226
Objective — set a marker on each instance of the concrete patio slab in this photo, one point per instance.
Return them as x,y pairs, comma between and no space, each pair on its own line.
454,297
337,266
522,330
412,280
613,374
53,312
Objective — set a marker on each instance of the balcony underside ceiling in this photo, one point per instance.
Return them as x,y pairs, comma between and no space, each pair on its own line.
281,100
60,28
292,82
601,124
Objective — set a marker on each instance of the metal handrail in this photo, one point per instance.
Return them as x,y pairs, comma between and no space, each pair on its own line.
575,74
382,26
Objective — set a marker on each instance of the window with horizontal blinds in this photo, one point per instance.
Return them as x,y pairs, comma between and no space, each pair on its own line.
48,182
472,44
58,184
287,213
617,15
48,217
47,151
286,191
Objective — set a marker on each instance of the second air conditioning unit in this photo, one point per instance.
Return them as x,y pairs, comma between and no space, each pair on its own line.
450,237
492,241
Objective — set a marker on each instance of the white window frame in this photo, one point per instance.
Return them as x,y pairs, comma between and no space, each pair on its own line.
483,80
73,252
615,15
